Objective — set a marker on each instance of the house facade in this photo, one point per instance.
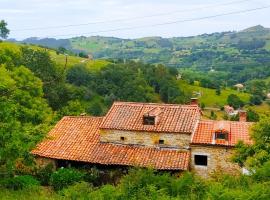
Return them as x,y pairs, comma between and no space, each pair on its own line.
161,136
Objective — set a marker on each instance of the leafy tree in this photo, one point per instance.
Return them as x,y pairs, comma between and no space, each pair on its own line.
213,115
95,109
25,115
83,55
3,29
255,100
252,116
234,101
52,76
218,92
256,155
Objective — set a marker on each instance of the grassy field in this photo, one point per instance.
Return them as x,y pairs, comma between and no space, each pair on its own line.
263,109
209,97
59,58
40,193
72,60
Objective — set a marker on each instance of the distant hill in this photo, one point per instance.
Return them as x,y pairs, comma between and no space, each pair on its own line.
229,52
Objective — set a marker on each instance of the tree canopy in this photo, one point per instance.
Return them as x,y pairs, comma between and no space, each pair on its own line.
3,29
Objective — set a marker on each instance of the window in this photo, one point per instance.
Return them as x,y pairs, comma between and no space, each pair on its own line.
148,120
161,141
200,160
122,138
221,135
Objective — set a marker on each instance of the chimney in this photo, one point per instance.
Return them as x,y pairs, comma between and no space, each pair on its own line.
242,116
194,101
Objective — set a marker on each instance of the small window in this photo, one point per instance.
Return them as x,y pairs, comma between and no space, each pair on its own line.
148,120
161,141
221,136
122,138
200,160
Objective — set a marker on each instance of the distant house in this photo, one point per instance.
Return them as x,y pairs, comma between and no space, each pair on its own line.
230,111
162,136
239,86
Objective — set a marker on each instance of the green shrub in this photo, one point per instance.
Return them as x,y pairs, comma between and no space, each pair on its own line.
65,177
44,174
81,190
92,176
19,182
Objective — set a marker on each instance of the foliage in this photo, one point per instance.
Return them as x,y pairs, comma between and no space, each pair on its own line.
255,100
219,59
3,29
43,174
255,156
65,177
234,101
252,116
24,114
19,182
80,190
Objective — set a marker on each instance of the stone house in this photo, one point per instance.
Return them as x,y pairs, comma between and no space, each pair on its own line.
162,136
229,110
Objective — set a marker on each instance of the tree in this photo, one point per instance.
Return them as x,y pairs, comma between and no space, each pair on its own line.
218,92
24,114
258,154
234,101
255,100
4,31
252,116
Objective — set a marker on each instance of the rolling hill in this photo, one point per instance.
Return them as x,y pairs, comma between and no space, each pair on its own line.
240,56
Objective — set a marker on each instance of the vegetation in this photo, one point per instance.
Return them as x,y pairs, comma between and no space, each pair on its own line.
39,85
217,59
3,29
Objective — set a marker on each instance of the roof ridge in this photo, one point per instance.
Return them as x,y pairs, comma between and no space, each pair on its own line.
94,117
150,103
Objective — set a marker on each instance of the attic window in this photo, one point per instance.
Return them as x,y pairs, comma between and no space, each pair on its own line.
200,160
148,120
221,135
161,141
122,138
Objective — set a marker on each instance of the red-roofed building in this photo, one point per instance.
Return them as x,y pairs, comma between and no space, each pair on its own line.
161,136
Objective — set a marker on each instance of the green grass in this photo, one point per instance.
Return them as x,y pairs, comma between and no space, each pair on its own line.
263,109
72,60
209,97
40,193
267,45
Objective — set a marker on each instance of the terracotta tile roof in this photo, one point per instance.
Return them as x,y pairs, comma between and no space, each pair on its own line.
77,139
173,118
205,132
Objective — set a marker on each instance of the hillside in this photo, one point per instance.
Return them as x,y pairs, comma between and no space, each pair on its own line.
246,51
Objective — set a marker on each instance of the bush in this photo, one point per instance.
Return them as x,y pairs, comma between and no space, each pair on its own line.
65,177
19,182
80,190
44,174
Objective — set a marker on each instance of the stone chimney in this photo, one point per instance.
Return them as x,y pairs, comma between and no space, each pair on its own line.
242,116
194,101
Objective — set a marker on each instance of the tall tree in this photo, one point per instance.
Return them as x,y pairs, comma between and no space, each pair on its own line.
3,29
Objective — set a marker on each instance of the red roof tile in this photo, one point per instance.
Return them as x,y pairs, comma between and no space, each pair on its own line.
205,132
77,138
173,118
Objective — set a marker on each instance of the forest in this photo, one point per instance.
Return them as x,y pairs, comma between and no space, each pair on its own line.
37,89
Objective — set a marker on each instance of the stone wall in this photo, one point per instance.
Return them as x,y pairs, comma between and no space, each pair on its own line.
42,161
218,160
150,139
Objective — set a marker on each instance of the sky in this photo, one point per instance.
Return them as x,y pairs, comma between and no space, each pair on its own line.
128,18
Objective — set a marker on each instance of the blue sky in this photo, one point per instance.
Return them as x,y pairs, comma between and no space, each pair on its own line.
27,14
